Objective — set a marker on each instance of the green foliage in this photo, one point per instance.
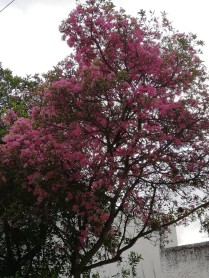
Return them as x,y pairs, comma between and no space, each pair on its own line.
129,267
15,91
86,274
96,275
125,273
16,94
134,259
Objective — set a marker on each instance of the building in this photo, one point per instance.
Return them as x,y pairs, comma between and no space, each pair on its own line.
149,267
172,261
186,261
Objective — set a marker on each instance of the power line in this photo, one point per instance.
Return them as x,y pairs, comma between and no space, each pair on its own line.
7,6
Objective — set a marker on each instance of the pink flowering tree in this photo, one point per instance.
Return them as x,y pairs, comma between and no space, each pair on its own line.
120,137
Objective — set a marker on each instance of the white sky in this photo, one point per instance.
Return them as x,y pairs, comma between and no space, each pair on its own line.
31,43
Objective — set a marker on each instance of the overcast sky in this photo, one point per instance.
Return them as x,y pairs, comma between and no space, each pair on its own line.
30,41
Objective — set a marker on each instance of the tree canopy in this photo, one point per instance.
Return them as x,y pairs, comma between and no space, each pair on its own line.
120,137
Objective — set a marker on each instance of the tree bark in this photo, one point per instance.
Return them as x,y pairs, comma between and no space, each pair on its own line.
77,275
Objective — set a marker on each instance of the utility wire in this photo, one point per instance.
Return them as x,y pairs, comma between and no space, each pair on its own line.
7,6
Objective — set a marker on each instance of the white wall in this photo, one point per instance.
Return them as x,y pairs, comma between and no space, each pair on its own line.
149,267
186,261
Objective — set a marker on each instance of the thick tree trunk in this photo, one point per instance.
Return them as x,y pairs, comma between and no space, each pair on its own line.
77,275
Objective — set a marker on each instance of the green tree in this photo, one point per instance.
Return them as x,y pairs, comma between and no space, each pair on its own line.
16,95
21,241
